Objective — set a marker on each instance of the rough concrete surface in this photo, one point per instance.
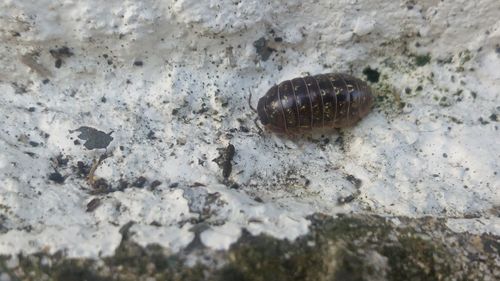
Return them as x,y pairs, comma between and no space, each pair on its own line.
128,121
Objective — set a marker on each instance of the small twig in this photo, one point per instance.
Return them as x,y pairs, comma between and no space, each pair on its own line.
95,165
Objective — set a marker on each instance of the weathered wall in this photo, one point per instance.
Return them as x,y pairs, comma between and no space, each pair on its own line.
171,79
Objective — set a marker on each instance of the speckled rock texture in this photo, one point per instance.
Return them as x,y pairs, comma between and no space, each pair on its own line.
126,127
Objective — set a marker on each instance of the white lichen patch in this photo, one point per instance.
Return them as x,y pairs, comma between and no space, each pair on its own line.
168,81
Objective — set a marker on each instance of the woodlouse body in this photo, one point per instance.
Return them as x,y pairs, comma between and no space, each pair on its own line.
333,100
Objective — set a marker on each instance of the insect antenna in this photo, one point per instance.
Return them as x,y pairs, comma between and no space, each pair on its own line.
250,101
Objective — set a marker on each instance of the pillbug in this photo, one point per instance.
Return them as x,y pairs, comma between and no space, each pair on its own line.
299,105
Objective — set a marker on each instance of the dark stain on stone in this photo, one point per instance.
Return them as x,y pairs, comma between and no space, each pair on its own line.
346,199
101,186
262,48
224,160
372,75
94,139
56,177
151,135
60,54
354,180
61,161
58,63
82,169
93,204
122,184
422,60
125,230
34,143
139,182
155,184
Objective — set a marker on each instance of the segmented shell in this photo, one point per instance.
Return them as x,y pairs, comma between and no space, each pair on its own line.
332,100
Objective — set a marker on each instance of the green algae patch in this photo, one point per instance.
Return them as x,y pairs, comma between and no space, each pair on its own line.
421,60
343,248
265,258
415,258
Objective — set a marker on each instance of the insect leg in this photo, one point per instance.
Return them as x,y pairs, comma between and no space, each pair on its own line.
257,125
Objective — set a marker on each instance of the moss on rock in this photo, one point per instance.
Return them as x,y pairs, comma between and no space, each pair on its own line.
343,248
